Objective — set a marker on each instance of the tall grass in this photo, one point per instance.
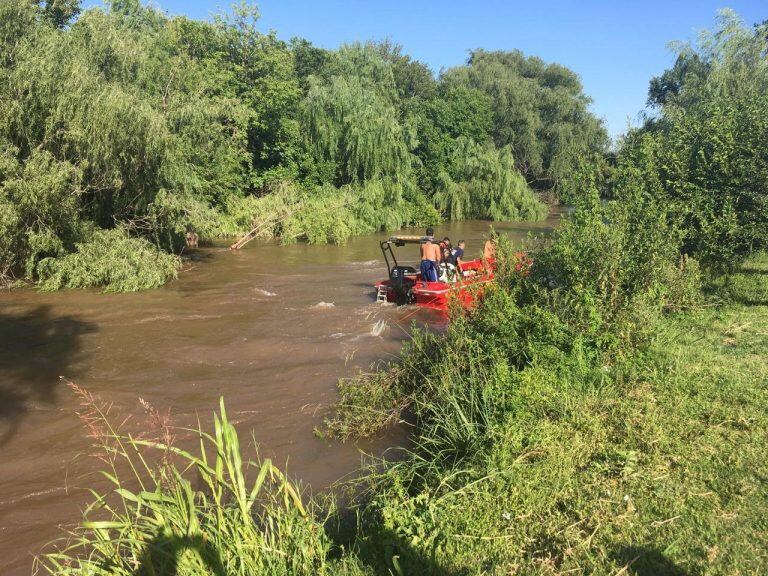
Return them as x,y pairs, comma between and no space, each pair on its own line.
175,512
537,458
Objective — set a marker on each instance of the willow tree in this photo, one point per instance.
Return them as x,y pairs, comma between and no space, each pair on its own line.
485,183
703,155
114,96
539,110
355,129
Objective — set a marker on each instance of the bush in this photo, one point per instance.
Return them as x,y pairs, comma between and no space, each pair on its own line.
595,292
608,270
326,214
704,155
110,259
38,211
170,216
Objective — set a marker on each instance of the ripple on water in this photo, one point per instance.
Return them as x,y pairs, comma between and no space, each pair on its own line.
378,328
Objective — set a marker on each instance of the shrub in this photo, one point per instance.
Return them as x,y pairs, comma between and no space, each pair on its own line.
605,270
704,156
170,216
38,211
326,214
595,291
110,259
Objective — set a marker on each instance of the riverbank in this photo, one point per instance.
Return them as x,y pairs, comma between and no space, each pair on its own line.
652,463
655,464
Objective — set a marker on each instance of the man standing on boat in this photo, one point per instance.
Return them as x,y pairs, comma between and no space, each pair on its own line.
430,258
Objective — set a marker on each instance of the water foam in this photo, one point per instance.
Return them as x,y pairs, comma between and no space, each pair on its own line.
378,328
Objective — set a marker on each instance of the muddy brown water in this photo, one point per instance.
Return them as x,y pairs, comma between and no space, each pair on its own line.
270,328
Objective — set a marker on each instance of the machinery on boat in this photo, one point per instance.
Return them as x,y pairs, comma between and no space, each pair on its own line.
406,286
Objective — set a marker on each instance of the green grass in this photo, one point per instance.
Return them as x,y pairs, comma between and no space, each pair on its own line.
654,465
663,470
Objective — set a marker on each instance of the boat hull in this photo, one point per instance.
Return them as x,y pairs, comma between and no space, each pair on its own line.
464,292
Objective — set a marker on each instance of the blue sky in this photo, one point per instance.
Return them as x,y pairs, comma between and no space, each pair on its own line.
615,46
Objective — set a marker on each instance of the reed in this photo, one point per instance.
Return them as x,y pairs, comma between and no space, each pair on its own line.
240,517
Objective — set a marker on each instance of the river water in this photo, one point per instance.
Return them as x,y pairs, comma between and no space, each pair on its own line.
270,328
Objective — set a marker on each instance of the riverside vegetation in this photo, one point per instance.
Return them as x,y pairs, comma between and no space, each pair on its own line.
144,125
604,413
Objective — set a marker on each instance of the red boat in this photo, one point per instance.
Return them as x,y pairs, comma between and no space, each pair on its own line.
405,285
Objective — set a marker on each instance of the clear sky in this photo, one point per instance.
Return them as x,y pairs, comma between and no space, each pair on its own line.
615,46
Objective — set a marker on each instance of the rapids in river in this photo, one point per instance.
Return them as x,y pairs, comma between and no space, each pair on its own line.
270,328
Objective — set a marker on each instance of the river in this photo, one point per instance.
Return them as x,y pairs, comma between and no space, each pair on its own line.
270,328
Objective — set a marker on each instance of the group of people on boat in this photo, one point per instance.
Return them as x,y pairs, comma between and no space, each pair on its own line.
433,254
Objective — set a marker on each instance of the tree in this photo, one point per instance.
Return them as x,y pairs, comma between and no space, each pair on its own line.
483,182
352,120
61,12
356,129
539,110
666,88
705,155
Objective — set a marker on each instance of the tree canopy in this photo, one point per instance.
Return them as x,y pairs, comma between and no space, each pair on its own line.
126,118
703,153
539,110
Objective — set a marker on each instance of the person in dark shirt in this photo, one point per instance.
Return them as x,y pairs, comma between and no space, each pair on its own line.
457,254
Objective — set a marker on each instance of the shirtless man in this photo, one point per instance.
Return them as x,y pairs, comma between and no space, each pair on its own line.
430,258
191,238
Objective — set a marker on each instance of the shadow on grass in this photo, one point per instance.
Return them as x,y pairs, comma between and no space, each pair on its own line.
37,348
644,561
162,555
746,288
384,552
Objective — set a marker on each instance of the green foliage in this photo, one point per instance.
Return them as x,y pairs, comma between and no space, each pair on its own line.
112,260
412,78
244,518
457,112
484,183
539,110
689,68
61,12
38,210
353,123
126,117
704,156
170,216
595,293
608,269
326,214
568,467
